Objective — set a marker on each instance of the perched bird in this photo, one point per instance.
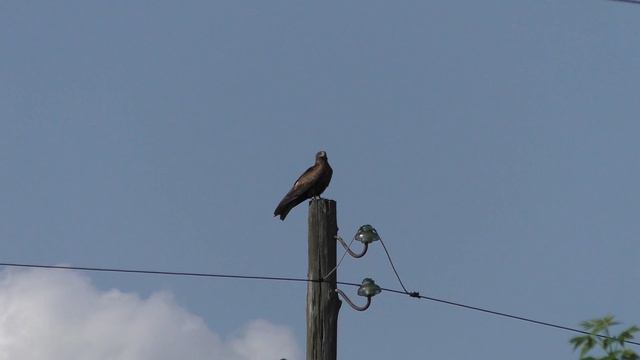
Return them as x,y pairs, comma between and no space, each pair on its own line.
309,185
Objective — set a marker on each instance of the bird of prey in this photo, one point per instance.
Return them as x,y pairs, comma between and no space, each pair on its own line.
309,185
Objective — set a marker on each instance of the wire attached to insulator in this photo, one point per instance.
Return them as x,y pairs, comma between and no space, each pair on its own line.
413,294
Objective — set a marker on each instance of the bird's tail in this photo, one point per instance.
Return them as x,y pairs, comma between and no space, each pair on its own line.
286,205
282,212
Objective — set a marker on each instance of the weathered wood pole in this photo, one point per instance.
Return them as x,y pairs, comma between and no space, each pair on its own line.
322,300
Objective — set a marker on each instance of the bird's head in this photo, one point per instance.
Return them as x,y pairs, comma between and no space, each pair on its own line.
321,155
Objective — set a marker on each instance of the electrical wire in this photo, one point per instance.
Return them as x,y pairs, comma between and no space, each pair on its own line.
414,294
341,258
637,2
305,280
155,272
502,314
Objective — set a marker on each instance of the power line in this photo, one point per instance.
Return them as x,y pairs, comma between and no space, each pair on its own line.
637,2
305,280
498,313
346,250
414,294
155,272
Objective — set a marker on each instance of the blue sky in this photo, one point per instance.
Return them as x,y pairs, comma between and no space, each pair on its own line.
494,145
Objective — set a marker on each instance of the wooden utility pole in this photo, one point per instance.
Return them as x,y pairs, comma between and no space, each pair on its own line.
322,300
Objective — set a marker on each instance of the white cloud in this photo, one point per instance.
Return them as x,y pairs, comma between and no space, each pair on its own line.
60,315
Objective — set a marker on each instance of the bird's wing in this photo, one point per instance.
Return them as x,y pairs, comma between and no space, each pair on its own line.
306,180
297,193
304,183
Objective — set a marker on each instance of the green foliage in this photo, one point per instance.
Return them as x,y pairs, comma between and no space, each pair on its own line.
599,335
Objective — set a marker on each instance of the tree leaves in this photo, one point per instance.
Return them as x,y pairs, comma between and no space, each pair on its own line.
599,334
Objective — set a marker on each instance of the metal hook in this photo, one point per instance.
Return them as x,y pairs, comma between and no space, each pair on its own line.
353,254
354,306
